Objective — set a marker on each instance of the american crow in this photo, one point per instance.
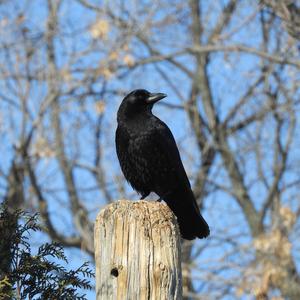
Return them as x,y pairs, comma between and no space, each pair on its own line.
150,161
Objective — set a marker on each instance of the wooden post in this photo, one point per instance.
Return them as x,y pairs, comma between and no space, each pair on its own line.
137,252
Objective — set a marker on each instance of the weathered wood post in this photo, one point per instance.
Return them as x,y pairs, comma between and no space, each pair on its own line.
137,252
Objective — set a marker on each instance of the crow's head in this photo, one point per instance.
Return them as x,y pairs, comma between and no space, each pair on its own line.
143,97
139,101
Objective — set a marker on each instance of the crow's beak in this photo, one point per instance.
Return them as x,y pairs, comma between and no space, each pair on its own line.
154,97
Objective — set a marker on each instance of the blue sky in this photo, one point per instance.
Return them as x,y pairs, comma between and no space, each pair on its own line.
230,74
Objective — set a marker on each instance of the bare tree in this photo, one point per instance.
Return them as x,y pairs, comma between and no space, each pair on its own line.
289,13
231,69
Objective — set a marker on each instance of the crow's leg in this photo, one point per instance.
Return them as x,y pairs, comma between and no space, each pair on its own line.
144,195
163,196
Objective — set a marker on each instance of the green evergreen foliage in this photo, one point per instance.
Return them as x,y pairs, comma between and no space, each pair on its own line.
24,275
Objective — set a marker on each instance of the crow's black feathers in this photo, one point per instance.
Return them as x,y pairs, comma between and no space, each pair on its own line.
151,162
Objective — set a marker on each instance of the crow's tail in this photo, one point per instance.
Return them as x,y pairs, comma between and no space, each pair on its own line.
190,221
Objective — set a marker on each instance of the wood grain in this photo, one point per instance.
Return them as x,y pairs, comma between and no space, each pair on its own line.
137,252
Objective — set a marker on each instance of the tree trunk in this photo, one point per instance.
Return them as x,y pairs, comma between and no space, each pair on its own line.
137,252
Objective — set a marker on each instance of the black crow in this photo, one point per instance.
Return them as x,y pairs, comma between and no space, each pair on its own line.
151,162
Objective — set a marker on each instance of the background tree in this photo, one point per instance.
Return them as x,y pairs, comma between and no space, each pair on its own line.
231,70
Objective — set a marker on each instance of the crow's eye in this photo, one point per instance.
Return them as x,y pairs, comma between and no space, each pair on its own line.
143,96
138,97
133,99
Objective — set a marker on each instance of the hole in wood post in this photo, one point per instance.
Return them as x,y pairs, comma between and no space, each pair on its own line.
114,272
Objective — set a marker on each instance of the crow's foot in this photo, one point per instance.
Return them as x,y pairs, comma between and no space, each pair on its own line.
144,195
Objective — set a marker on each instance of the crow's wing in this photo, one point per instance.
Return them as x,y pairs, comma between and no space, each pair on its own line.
166,146
180,197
